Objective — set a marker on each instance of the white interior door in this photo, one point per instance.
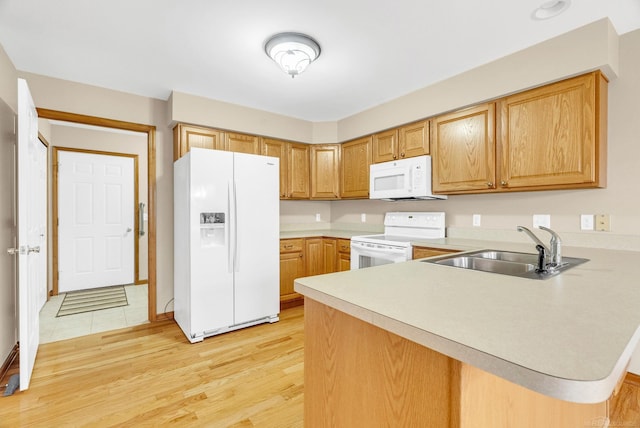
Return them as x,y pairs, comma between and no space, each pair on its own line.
32,212
95,220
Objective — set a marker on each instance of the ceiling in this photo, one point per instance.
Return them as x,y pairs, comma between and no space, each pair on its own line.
372,51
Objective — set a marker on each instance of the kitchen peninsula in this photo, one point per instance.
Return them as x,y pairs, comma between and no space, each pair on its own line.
419,344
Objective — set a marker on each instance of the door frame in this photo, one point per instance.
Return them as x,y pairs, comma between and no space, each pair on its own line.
150,130
54,208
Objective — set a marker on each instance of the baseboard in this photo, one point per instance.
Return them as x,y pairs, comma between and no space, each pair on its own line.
165,316
6,365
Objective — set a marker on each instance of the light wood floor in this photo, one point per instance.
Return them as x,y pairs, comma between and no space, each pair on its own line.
150,375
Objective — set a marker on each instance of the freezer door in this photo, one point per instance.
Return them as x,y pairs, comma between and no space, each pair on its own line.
211,268
256,213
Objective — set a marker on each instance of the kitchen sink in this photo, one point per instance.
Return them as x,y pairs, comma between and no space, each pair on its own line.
505,263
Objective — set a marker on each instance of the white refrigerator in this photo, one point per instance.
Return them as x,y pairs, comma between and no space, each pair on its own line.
226,241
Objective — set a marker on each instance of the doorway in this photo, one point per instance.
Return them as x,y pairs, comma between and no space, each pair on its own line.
149,131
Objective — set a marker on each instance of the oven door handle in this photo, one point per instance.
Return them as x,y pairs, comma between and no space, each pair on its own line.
362,250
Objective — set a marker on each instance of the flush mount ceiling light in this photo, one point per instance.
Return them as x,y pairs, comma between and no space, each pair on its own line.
550,9
293,52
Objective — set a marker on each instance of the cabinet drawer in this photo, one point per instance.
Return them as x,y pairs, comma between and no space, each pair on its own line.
291,245
344,246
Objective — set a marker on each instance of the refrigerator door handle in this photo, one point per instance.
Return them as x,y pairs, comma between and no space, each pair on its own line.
228,229
235,228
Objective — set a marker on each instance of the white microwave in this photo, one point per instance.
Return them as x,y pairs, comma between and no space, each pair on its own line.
402,179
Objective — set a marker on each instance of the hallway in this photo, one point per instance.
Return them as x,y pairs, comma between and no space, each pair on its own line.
53,329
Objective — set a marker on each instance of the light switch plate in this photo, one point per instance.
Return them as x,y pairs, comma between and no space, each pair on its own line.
542,220
603,223
318,217
363,217
477,220
586,222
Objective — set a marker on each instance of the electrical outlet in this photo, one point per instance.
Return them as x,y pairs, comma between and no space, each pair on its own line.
477,220
318,217
363,218
586,222
542,220
603,223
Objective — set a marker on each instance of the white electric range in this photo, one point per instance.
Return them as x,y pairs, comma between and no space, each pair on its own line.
394,246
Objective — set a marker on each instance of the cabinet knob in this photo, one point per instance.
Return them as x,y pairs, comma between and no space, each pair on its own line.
395,157
503,183
489,184
401,155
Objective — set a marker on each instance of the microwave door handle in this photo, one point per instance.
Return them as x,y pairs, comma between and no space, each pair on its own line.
409,179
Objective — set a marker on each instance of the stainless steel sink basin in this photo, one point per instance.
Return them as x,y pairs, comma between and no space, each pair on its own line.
504,262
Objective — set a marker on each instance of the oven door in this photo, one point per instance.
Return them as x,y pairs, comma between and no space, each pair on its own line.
365,254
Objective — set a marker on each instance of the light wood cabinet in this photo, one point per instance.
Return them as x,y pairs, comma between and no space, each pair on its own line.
314,256
422,252
354,168
464,152
298,171
325,164
413,139
404,142
187,136
292,266
385,146
554,137
344,255
329,254
278,149
241,143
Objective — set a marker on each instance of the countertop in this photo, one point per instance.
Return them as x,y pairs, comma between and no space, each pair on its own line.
569,337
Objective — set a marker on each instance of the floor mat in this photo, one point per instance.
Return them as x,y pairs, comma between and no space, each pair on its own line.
96,299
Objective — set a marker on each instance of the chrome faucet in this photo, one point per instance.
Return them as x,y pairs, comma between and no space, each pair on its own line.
556,247
552,256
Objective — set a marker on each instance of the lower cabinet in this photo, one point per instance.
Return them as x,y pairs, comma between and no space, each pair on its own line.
307,257
344,255
292,266
422,252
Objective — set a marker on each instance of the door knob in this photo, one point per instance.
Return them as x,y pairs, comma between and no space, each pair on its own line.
13,251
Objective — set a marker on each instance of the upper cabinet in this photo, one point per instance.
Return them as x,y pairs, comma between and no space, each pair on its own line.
278,149
463,150
354,168
187,136
404,142
298,171
554,137
413,139
325,163
241,143
385,146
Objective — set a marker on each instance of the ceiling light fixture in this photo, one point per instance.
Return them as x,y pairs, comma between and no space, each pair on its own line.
549,9
293,52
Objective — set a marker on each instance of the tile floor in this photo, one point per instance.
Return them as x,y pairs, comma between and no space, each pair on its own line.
53,329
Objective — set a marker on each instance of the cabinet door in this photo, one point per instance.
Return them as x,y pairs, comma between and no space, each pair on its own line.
385,146
187,136
291,267
355,161
278,149
413,140
554,136
464,150
298,172
241,143
329,253
314,256
422,252
344,262
325,163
